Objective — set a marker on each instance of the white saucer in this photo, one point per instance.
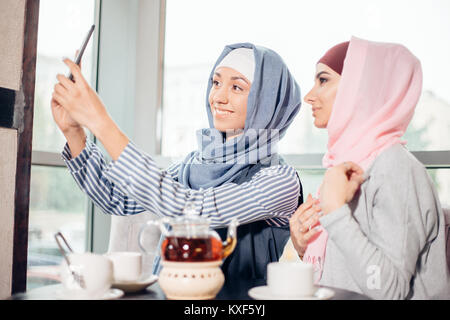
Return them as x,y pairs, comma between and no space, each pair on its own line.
112,294
263,293
135,286
109,295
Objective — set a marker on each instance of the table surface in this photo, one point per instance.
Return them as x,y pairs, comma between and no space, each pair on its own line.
230,291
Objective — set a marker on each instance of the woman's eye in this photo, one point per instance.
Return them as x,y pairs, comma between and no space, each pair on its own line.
237,88
322,80
215,82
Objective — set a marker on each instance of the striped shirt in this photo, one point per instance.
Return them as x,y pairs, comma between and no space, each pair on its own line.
133,184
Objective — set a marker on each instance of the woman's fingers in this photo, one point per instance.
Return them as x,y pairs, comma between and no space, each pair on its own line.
311,233
312,219
65,82
296,219
302,224
308,219
303,207
54,103
351,167
357,177
75,70
58,98
301,240
308,215
353,187
60,89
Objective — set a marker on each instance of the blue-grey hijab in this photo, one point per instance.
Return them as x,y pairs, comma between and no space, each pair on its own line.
273,102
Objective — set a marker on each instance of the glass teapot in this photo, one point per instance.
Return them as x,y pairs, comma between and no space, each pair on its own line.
190,239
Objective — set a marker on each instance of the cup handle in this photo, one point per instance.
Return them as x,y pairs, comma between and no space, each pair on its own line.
141,232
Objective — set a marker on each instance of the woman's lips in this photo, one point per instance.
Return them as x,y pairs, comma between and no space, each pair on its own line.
222,113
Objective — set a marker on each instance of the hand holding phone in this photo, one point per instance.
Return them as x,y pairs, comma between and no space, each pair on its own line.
83,47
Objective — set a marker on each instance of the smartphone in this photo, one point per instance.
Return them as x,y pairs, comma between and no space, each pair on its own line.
83,47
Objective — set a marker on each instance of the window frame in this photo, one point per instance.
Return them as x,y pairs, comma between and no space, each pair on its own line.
154,91
53,159
439,159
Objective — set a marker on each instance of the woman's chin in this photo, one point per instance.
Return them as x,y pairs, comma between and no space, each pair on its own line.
320,124
224,126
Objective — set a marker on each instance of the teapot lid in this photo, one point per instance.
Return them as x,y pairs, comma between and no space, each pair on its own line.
190,217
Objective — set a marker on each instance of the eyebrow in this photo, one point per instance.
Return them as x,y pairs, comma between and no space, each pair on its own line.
239,78
320,73
233,78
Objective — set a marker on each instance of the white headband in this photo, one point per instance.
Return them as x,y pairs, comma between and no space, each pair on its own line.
242,60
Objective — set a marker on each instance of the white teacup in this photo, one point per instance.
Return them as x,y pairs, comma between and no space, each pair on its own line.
127,266
96,272
290,279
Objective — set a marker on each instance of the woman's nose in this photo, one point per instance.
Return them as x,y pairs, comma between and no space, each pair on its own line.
220,96
310,97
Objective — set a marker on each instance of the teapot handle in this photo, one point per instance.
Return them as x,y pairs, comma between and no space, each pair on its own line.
230,243
158,223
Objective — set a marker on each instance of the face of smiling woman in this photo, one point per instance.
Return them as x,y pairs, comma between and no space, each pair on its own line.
321,97
228,99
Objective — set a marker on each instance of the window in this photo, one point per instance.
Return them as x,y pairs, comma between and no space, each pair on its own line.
312,178
56,203
301,32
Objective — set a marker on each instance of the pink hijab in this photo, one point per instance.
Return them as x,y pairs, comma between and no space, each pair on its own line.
378,92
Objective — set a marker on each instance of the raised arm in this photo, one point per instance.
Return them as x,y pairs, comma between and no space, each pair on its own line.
88,170
272,193
75,104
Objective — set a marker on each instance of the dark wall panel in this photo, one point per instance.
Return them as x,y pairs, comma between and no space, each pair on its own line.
7,98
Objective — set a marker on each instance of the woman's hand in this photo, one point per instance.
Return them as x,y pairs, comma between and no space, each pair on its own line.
340,185
302,224
81,105
62,118
72,130
80,102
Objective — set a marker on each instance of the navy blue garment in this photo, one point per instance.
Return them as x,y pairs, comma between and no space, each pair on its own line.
258,243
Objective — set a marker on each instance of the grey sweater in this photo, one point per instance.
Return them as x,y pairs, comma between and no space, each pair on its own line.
389,241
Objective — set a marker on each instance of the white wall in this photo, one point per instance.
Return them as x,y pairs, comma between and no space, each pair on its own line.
12,24
8,155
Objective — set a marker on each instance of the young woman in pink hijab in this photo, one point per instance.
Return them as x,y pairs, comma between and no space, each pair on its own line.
376,226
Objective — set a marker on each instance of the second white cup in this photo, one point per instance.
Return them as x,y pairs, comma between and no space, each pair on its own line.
290,279
127,266
95,271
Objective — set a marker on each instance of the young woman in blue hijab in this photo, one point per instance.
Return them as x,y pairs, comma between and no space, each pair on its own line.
236,172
